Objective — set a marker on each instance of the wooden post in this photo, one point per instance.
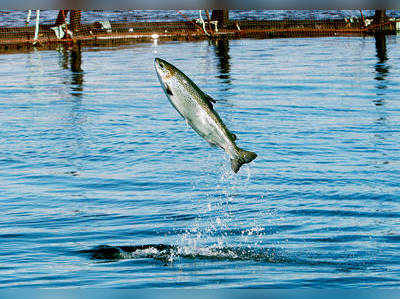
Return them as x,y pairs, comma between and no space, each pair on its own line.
220,15
75,20
382,24
62,14
208,20
380,16
380,44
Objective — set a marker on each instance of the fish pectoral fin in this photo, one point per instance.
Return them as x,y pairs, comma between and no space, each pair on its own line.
167,89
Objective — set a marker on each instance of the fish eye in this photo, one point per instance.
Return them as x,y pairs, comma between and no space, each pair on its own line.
161,65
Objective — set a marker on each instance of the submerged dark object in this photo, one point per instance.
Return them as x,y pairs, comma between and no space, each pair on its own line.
106,252
167,253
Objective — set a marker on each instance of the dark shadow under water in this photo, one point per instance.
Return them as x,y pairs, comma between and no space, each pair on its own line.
168,254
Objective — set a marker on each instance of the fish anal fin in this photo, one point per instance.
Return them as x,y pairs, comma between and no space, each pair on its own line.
209,98
209,101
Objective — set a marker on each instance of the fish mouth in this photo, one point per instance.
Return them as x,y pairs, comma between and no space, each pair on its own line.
159,60
158,63
159,68
163,72
161,65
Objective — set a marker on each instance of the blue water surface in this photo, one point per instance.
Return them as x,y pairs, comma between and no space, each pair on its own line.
104,185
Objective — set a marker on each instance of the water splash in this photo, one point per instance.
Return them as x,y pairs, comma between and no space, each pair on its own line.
221,223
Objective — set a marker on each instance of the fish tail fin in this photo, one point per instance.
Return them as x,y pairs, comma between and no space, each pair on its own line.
241,157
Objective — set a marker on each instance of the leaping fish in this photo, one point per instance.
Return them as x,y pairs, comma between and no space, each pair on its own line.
197,108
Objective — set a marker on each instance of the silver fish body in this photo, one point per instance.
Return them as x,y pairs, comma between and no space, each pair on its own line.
197,108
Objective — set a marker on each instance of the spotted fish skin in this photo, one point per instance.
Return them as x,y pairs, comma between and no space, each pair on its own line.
196,107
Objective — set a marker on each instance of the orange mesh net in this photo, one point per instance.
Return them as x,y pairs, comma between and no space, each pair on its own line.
50,27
